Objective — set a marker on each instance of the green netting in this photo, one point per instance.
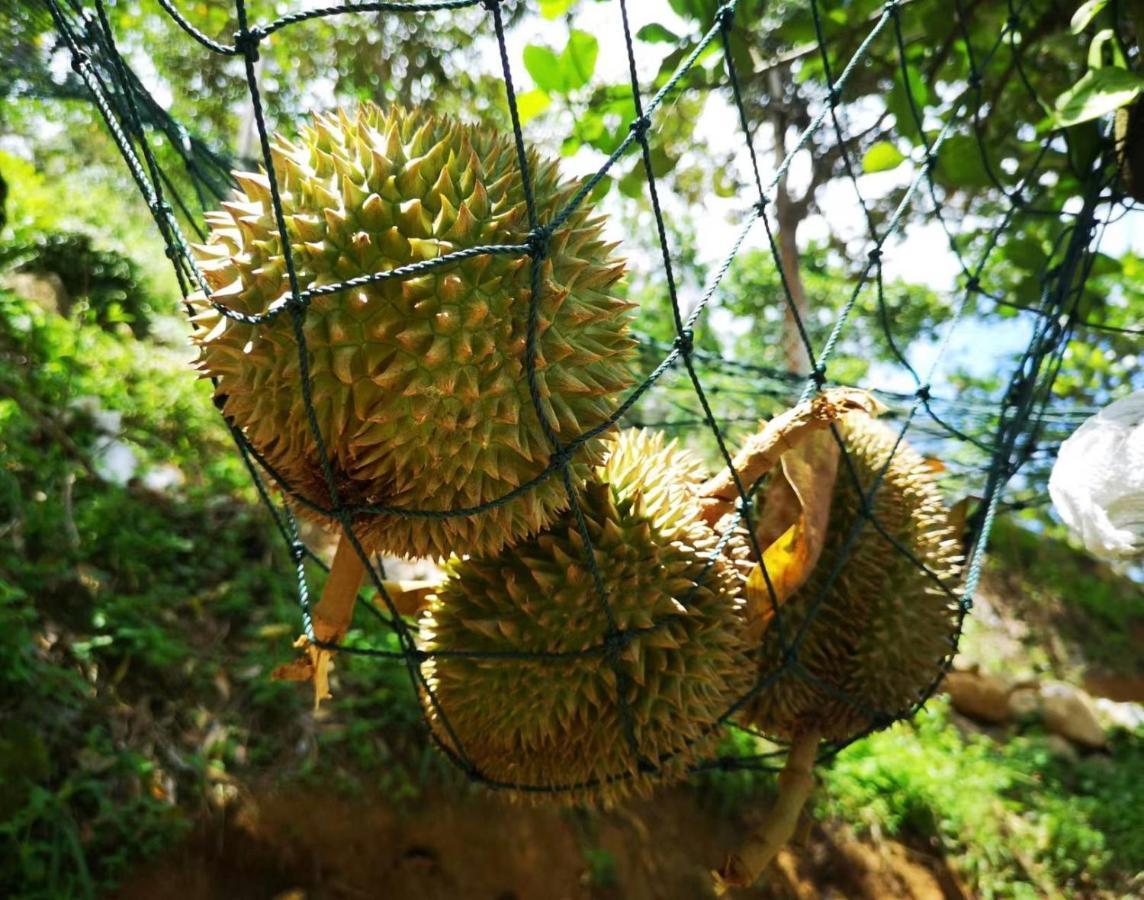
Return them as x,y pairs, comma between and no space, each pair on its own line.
1003,436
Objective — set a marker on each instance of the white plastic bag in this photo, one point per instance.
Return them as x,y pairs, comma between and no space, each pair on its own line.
1097,485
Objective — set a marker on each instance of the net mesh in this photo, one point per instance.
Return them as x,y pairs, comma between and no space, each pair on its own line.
1003,437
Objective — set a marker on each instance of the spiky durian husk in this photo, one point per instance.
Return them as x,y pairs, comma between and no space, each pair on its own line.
557,723
884,626
418,384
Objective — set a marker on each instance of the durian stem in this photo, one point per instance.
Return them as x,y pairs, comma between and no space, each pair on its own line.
333,613
796,781
762,451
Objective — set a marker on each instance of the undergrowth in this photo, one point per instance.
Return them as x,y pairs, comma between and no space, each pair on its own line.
1016,819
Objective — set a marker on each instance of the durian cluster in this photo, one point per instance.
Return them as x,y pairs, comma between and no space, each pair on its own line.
590,635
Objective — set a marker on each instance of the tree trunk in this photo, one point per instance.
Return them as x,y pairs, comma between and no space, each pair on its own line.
789,214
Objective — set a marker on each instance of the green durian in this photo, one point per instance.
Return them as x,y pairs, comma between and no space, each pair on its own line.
557,723
884,626
418,383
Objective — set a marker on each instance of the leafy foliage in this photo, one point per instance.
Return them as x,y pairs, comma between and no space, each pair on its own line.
138,644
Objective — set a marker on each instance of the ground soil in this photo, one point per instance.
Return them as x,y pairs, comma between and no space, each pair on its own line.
310,846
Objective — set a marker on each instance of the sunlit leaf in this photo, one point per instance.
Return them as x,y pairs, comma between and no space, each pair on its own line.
1086,13
544,67
554,9
882,157
1098,93
657,34
578,61
532,103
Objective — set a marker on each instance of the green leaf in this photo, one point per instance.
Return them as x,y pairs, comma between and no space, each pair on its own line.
632,184
578,61
882,157
554,9
912,85
657,34
1098,93
661,163
545,68
959,162
601,189
532,103
1105,37
1086,13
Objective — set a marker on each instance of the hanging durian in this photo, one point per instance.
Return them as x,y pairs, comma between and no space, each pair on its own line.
418,383
871,641
879,631
556,722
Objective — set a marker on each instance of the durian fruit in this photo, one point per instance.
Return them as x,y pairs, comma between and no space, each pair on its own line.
418,383
879,634
874,640
557,723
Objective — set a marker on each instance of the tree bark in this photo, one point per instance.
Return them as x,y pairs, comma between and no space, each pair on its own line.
789,215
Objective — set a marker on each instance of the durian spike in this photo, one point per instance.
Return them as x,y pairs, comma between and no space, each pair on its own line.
759,455
796,781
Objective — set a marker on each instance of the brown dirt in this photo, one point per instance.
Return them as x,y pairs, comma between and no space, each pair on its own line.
314,846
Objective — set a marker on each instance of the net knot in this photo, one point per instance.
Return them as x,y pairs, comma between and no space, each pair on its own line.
685,341
1013,23
640,126
974,80
725,16
297,551
246,42
79,59
538,241
561,457
490,5
923,393
875,255
973,285
819,376
834,96
1017,199
615,643
890,6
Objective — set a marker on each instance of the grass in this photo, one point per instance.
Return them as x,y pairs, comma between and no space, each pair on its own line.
1094,610
1016,819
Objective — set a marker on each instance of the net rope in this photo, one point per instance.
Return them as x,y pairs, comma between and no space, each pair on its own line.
1007,435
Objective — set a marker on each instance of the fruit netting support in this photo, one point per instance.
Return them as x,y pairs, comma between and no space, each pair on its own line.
1006,435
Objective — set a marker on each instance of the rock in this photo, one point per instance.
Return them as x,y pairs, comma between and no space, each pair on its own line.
1060,747
45,289
1069,712
1128,716
978,695
1025,701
